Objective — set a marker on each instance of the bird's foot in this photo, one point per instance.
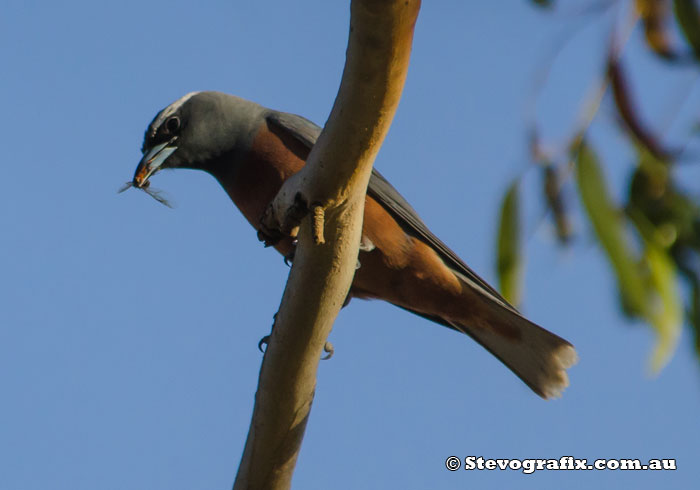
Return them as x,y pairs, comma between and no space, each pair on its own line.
269,237
272,229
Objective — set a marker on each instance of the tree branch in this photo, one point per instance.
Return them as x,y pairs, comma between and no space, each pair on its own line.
333,184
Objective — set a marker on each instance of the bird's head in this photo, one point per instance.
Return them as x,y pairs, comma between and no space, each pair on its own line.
193,132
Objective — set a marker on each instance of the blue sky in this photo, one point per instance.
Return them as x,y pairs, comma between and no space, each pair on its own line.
128,330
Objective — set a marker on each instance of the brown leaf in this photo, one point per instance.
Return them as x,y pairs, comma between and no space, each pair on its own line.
628,111
655,15
556,203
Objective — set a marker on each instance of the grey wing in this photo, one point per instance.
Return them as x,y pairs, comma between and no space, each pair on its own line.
299,127
384,193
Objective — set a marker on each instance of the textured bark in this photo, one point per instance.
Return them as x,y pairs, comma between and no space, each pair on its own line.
332,184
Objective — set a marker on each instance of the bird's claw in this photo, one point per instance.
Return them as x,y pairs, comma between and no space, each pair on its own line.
263,341
329,350
289,258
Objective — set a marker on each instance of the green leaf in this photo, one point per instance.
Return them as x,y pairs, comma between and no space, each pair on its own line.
694,314
609,226
688,18
671,212
666,309
509,264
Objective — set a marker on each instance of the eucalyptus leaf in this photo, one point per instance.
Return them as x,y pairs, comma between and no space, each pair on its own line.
694,314
509,266
609,226
666,308
688,17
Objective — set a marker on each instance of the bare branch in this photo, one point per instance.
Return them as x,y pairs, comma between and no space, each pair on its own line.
333,183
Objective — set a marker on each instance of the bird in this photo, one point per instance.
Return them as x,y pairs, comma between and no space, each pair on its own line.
251,150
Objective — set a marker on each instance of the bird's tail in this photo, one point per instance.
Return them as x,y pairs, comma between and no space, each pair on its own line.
537,356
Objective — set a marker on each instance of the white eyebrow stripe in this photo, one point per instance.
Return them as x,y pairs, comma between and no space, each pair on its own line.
171,109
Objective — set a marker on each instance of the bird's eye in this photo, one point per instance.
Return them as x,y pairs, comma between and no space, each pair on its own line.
172,124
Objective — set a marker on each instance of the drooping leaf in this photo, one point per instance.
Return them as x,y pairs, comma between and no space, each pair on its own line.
509,266
609,227
688,17
694,314
666,308
654,15
665,219
669,208
628,112
649,188
556,204
552,188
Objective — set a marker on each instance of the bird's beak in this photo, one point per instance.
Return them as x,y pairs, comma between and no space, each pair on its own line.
152,161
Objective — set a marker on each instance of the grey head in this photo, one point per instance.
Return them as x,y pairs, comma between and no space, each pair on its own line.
196,131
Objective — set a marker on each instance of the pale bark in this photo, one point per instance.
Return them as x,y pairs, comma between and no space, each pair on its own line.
331,188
